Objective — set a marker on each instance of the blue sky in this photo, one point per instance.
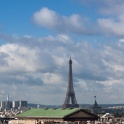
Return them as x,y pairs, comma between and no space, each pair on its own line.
37,38
20,14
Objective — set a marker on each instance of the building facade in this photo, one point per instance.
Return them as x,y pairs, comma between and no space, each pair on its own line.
13,104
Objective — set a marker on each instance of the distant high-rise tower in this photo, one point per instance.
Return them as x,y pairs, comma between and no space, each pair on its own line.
7,97
8,102
70,100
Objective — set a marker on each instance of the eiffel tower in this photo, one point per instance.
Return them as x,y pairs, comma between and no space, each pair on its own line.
70,100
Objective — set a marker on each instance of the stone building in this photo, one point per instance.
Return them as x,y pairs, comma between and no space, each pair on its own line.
96,108
50,116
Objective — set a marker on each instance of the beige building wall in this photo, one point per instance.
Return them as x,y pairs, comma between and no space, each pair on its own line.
23,122
29,122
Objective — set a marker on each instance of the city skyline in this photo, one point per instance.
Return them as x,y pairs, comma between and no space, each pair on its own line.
37,38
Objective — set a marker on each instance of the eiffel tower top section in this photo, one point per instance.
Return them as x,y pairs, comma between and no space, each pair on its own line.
70,77
70,61
70,100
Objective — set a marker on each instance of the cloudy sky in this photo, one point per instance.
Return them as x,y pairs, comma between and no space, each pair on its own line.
37,38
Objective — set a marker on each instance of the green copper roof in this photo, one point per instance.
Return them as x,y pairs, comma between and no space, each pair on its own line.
47,112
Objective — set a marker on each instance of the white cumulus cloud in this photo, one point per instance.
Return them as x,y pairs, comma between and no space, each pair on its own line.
50,19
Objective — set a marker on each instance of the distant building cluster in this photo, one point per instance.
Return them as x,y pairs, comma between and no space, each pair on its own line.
116,107
13,104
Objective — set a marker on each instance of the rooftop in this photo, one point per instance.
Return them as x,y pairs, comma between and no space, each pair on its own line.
48,112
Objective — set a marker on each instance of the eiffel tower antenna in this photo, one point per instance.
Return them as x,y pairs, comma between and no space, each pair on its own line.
70,100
